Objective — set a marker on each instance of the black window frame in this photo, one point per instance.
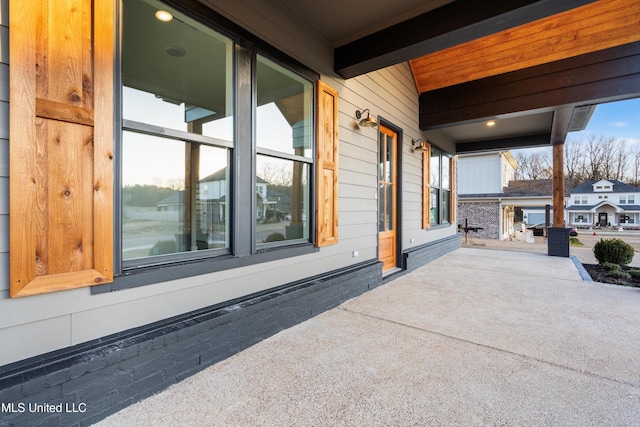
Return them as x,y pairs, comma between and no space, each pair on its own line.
243,250
439,190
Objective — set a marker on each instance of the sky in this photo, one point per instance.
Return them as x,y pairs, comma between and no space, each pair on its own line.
615,119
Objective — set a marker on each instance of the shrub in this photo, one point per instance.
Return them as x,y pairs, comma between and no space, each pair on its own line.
614,251
619,274
611,266
163,247
274,237
634,273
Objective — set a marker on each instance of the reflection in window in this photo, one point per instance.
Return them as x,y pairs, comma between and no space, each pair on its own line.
440,202
177,80
174,206
284,138
282,200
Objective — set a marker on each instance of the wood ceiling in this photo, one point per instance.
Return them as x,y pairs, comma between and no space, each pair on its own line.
596,26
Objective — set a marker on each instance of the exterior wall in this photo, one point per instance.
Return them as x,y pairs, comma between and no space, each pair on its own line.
488,167
4,148
39,324
481,214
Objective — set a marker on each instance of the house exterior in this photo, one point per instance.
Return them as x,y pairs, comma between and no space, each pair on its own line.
488,195
481,180
322,102
107,300
604,203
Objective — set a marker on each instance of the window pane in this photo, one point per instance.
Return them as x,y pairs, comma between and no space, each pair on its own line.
446,206
435,218
282,200
284,110
446,167
168,205
435,168
176,74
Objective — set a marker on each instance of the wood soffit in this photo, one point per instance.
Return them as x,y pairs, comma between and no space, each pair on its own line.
589,28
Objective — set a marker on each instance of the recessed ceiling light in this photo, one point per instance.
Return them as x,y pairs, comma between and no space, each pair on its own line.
164,16
491,123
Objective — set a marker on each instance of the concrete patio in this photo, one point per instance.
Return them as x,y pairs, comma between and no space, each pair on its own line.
477,337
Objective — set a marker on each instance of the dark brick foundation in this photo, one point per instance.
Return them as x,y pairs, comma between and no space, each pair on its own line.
99,378
421,255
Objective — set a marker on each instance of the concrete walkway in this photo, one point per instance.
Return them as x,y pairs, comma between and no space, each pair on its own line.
478,337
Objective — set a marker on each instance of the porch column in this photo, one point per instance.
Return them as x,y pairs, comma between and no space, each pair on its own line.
557,234
558,185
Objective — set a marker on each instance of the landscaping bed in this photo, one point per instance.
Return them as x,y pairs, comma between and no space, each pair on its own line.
622,275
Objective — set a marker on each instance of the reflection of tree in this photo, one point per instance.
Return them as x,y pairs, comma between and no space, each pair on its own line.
145,195
277,174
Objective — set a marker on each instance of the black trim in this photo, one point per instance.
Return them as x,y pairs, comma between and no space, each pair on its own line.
455,23
165,272
243,250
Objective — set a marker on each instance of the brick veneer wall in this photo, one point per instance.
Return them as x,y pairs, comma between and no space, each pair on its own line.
90,381
481,214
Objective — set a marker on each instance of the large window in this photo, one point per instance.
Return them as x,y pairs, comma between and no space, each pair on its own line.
177,110
284,153
197,181
440,182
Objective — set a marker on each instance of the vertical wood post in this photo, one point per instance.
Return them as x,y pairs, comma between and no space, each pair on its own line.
558,185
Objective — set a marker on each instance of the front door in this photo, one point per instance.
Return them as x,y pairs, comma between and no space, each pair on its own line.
387,188
602,219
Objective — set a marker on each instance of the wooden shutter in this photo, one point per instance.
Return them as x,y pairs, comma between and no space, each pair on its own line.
426,187
61,144
327,166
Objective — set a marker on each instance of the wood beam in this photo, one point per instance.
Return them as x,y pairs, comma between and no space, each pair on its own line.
603,76
558,185
504,143
597,26
455,23
560,124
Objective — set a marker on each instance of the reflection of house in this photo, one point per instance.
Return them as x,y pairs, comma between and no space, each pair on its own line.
604,203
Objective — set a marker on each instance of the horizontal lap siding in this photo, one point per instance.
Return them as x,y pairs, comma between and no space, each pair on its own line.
77,316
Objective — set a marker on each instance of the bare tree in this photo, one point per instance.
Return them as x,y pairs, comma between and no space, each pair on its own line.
592,158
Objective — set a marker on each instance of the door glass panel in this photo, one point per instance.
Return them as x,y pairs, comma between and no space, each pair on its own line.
381,208
389,208
389,160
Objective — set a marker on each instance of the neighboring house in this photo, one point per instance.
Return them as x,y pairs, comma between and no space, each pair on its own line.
488,195
604,203
481,179
97,96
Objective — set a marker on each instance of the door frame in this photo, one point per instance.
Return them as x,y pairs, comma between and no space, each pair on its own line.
400,262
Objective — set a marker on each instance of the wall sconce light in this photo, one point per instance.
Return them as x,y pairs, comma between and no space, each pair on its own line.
419,145
367,122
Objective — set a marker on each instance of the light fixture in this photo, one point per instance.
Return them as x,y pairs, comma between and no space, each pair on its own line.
164,16
419,145
367,122
490,123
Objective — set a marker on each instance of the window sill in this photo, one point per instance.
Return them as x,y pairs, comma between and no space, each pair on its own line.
141,277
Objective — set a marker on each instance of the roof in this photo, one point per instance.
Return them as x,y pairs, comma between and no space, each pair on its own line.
618,187
532,187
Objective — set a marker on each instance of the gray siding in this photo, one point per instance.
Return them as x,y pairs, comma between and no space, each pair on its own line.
49,322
